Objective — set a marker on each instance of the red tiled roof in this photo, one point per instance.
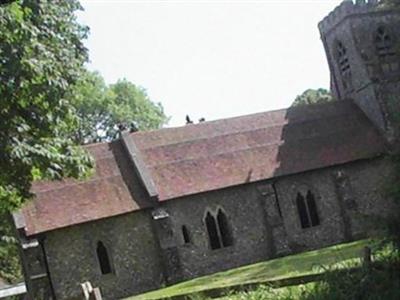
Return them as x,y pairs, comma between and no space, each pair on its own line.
203,157
218,154
63,203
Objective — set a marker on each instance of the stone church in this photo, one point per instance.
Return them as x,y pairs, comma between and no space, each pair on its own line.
176,203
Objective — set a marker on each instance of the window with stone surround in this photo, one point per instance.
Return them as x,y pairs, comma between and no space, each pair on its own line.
103,258
344,65
307,209
218,230
384,42
384,45
185,235
225,231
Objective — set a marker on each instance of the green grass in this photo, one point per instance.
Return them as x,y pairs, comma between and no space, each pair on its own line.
264,292
302,264
377,281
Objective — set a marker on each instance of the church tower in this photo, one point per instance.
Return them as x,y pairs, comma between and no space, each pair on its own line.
362,44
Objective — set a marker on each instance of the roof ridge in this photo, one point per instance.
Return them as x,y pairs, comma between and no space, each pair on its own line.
333,133
299,108
189,140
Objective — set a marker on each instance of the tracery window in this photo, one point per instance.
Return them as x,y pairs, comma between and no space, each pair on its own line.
307,209
218,230
384,43
344,65
103,258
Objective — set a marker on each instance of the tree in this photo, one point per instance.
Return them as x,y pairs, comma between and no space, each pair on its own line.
312,96
106,110
10,268
41,55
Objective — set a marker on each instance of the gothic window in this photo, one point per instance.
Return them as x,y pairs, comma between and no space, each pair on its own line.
307,210
218,230
312,209
383,43
212,232
225,232
301,207
103,258
185,235
344,65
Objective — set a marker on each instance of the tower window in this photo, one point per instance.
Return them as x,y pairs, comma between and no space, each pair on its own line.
383,43
307,210
344,65
185,235
103,258
342,58
218,230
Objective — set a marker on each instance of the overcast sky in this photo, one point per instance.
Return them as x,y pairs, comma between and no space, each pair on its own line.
211,59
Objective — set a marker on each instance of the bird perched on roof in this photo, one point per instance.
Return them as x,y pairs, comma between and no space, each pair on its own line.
188,120
133,127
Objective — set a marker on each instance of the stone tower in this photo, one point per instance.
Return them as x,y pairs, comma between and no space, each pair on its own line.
362,44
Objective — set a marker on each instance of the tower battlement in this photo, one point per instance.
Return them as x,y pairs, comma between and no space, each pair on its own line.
345,9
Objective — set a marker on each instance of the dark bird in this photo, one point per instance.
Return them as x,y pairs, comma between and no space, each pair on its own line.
202,120
133,127
188,120
121,127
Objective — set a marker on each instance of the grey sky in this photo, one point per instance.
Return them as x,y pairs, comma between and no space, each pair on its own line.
212,59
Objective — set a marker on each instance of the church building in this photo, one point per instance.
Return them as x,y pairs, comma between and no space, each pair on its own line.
172,204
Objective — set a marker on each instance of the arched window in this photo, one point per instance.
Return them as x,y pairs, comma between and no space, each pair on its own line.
312,209
344,65
343,60
185,235
212,232
104,260
383,42
307,210
301,207
226,236
219,231
384,45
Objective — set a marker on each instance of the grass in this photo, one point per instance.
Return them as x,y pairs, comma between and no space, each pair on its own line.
380,280
307,263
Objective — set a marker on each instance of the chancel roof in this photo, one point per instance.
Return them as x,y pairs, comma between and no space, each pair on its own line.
207,156
112,190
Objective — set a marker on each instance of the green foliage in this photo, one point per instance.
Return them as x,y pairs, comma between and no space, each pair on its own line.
312,96
41,55
390,2
378,281
10,268
106,110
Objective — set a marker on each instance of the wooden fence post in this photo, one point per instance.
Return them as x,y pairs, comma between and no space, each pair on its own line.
96,294
367,256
